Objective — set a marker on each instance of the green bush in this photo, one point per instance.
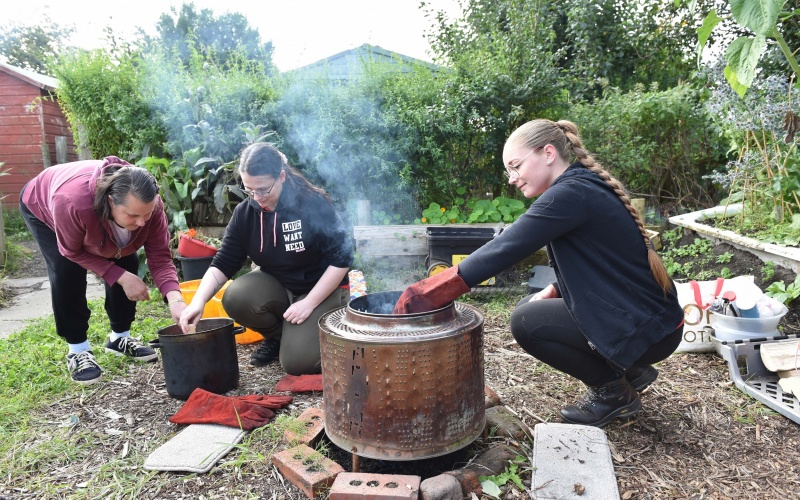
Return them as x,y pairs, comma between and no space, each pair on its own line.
101,94
658,143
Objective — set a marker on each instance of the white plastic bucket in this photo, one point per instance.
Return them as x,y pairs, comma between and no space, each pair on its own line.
733,328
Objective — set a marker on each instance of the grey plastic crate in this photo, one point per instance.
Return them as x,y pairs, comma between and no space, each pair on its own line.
749,374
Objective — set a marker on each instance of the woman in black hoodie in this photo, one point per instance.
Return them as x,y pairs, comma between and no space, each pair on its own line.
292,232
613,310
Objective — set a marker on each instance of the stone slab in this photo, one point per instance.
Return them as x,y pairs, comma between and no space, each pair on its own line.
33,301
572,461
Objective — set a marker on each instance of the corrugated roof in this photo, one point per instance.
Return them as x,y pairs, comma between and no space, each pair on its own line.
42,81
347,64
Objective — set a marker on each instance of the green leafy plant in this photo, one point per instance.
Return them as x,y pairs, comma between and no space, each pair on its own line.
500,209
491,484
768,270
724,258
782,292
759,17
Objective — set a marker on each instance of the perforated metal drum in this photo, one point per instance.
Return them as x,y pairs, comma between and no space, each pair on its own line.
402,387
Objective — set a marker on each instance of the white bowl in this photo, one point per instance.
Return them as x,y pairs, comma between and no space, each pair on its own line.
761,326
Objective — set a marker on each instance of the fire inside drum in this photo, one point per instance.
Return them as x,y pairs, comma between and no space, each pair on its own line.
402,387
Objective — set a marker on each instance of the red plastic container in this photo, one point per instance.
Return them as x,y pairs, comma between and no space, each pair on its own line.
194,248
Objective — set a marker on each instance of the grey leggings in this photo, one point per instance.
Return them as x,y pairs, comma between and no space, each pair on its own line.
257,300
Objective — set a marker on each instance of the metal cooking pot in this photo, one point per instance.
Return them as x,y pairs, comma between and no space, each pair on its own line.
402,387
205,359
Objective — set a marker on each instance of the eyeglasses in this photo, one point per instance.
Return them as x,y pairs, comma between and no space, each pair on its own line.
260,193
512,171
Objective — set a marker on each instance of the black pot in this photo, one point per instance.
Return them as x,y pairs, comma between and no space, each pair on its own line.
206,359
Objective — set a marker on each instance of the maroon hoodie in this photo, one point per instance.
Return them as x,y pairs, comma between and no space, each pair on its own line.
62,197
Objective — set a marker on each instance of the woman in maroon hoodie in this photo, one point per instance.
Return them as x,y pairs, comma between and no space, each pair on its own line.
95,215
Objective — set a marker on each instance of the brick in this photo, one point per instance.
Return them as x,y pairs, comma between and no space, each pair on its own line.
311,425
493,461
307,469
468,480
364,486
491,399
504,423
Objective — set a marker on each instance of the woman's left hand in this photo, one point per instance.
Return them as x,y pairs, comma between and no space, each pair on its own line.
298,312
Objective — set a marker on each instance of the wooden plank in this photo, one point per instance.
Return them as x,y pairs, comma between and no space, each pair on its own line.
780,356
20,89
23,119
395,240
24,139
17,100
28,149
378,241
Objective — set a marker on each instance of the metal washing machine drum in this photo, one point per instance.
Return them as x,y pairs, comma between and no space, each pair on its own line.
402,387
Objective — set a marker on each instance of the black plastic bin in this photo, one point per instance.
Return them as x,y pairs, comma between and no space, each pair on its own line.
444,242
193,268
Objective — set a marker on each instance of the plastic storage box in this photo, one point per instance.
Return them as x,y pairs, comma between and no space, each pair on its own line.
749,374
733,328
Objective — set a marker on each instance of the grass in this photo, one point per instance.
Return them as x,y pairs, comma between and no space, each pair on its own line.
34,378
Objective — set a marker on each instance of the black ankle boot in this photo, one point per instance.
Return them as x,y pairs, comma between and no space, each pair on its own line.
266,353
640,377
603,404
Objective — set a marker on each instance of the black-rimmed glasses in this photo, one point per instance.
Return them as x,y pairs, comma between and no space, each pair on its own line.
260,193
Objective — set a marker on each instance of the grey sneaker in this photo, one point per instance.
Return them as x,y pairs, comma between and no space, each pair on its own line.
129,346
83,368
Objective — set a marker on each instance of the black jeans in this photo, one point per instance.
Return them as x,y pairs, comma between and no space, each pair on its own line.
546,331
68,286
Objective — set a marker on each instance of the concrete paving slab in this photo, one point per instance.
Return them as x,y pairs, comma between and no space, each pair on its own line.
33,301
572,461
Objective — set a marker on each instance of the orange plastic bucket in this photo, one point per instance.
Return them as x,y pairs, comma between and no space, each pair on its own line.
214,309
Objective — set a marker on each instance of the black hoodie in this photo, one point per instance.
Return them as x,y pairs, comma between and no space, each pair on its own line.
600,260
295,243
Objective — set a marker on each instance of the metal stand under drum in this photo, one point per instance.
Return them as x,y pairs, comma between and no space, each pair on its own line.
402,387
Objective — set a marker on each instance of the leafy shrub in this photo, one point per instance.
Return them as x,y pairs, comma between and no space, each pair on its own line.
658,143
101,96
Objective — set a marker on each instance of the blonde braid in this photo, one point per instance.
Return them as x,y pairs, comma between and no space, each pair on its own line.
570,131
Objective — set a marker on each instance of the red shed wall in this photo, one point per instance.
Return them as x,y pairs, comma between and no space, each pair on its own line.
24,127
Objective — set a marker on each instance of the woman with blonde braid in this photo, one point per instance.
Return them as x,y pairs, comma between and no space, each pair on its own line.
613,310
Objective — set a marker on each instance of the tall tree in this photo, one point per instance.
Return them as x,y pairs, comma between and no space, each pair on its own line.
216,38
33,47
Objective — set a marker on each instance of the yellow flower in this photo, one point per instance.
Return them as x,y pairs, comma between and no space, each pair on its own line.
452,221
443,210
424,219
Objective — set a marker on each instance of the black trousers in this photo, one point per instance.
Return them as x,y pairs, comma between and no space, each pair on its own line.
68,286
546,331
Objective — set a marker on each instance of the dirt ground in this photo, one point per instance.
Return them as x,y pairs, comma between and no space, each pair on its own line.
697,436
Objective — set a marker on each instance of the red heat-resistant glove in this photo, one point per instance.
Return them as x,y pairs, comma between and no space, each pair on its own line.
265,401
205,407
432,293
300,383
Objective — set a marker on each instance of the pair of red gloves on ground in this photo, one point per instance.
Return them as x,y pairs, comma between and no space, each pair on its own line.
432,293
244,412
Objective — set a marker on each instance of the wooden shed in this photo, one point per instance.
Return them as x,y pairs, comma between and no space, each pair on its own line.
34,133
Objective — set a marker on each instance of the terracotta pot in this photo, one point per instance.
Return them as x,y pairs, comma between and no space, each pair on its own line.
193,248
